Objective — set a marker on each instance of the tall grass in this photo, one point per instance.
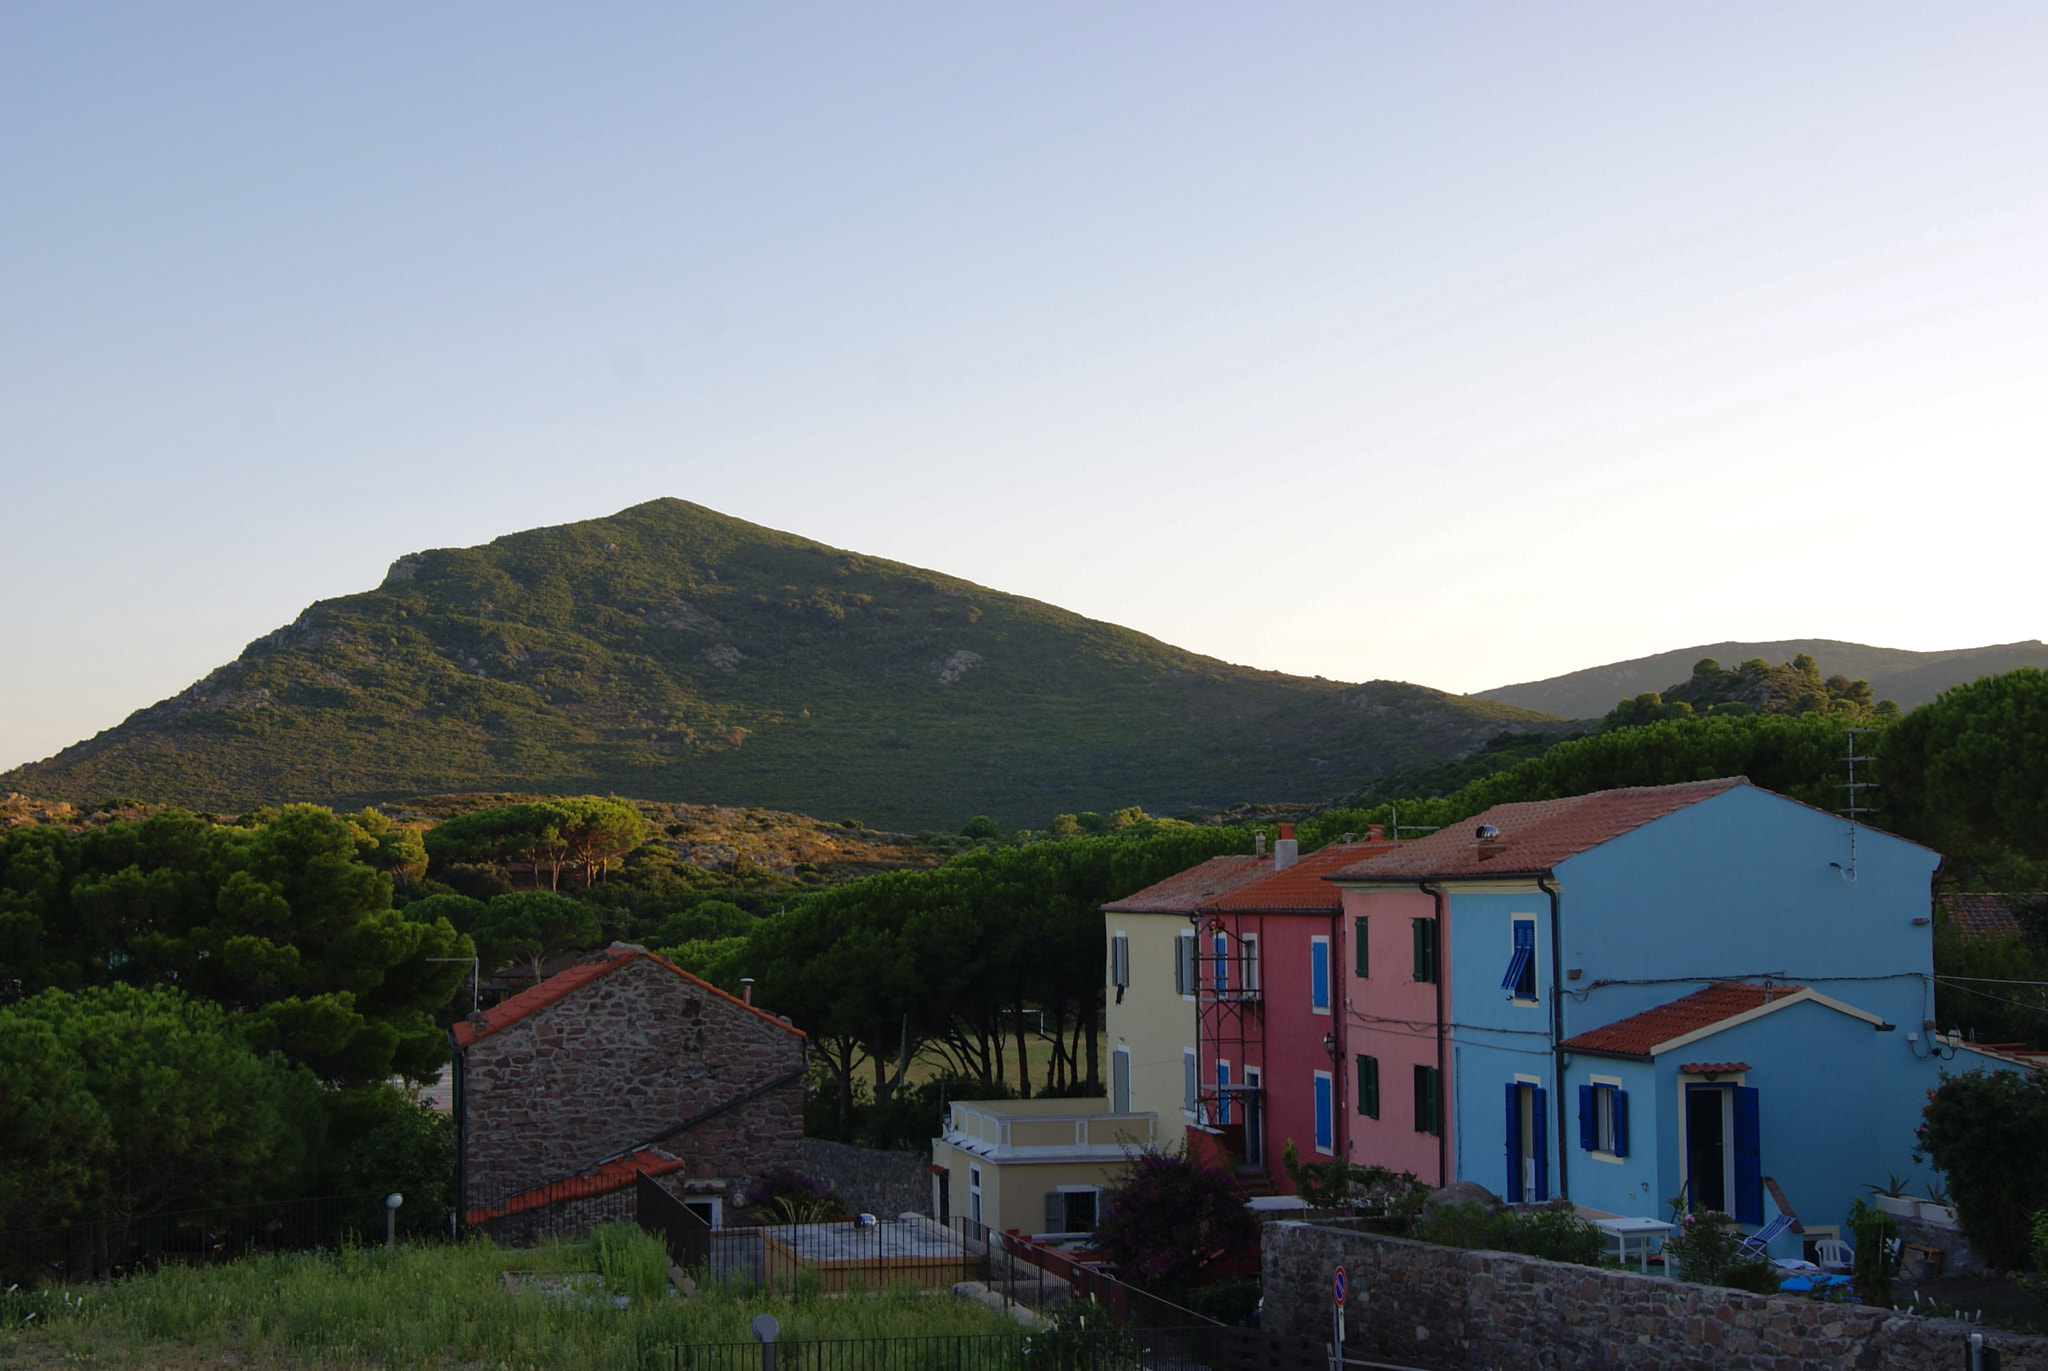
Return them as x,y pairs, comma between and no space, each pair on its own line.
449,1306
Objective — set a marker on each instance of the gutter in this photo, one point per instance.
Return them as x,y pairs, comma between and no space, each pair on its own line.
1564,1184
1443,1113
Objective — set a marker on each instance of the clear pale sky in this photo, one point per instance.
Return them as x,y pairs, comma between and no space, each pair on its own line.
1459,344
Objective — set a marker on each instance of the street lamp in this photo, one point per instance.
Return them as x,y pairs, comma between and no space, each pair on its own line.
391,1203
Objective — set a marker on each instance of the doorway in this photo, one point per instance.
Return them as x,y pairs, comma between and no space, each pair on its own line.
1254,1120
1707,1149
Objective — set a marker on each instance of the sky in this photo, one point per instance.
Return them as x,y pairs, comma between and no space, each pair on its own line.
1459,344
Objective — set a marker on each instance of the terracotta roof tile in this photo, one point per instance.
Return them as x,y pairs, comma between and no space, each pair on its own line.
508,1012
1534,836
615,1174
1713,1068
1639,1034
1301,888
1981,915
1185,891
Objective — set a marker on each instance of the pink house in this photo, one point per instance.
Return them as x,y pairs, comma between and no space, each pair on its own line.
1395,990
1274,960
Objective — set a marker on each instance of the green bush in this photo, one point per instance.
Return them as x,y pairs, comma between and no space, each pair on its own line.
1987,1133
1553,1232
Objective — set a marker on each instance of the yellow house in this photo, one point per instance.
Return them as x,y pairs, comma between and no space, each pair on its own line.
1151,1012
1037,1166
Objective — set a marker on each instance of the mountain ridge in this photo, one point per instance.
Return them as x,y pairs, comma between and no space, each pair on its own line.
1909,677
673,653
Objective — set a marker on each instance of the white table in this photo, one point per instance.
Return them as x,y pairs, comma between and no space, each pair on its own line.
1621,1230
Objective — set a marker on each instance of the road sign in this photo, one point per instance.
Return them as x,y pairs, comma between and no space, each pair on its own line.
1337,1287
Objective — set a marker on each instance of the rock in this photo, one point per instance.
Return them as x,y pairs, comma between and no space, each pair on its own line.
1463,1192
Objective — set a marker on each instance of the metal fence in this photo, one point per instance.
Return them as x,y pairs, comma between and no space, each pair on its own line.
980,1352
98,1249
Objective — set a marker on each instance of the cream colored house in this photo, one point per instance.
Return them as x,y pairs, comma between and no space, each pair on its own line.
1037,1166
1151,1011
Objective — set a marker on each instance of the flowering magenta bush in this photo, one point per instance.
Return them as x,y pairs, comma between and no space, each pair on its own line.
1169,1220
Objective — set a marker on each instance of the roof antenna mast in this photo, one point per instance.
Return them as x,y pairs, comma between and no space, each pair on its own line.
1853,807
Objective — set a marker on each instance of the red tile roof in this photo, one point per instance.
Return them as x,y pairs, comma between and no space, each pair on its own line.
1185,892
1713,1068
1534,836
1300,888
508,1012
1981,915
615,1174
1639,1035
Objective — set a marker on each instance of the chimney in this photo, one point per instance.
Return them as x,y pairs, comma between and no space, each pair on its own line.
746,989
1285,849
1375,833
1259,843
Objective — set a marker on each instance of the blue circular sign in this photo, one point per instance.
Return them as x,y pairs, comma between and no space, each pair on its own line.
1337,1285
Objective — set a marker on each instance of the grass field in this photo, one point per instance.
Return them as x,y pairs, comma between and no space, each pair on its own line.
432,1307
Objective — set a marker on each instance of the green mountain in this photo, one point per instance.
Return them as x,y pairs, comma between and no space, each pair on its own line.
672,653
1911,678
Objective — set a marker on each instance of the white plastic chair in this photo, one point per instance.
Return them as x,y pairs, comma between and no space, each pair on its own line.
1836,1257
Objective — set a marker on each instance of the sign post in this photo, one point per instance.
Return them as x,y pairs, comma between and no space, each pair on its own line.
1337,1321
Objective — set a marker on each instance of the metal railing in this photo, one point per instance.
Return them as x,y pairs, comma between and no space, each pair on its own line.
977,1352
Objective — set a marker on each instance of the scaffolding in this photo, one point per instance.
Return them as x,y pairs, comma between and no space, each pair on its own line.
1230,1033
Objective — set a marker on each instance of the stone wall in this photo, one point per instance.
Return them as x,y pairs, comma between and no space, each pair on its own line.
616,1061
869,1180
1422,1305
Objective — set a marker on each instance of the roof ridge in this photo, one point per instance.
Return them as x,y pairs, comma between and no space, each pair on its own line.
574,977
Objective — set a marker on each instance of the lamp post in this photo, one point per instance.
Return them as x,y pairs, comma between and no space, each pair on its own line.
391,1203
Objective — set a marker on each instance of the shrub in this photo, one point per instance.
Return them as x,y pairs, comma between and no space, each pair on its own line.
1987,1133
1392,1197
1169,1219
1553,1232
1872,1273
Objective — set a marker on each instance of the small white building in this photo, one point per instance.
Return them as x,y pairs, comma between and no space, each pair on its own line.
1037,1166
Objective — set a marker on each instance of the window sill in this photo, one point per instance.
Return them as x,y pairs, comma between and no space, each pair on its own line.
1600,1156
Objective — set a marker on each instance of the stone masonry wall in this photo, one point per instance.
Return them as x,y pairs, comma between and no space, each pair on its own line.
871,1181
1422,1305
616,1061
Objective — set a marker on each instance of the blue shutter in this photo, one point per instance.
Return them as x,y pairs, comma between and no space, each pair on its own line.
1513,1193
1516,966
1589,1120
1542,1134
1749,1169
1323,1124
1620,1102
1223,1092
1319,974
1222,962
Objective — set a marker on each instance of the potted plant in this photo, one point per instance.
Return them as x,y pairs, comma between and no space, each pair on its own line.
1938,1209
1892,1197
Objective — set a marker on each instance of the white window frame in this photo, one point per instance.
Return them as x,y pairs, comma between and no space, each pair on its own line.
1603,1118
1120,960
1065,1190
1250,942
1328,975
1535,1000
974,1193
1187,963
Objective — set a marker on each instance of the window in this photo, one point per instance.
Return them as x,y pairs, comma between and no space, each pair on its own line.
974,1193
1723,1150
1120,964
1603,1119
1362,950
1424,931
1189,1081
1187,971
1520,980
1220,951
1325,1112
1429,1100
1223,1092
1528,1143
1070,1211
1251,961
708,1210
1319,974
1369,1086
1120,1080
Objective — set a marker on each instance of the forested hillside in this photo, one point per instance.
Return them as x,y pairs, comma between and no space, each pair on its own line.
671,653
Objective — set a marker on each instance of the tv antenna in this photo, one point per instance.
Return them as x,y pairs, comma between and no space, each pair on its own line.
1853,807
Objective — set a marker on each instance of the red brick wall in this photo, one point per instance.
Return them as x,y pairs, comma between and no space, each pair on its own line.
616,1061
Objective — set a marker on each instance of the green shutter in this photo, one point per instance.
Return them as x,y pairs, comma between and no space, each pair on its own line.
1425,951
1369,1086
1358,941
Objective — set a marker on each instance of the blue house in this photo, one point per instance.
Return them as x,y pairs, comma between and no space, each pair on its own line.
1678,989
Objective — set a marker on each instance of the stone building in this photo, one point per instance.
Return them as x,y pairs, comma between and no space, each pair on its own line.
618,1066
